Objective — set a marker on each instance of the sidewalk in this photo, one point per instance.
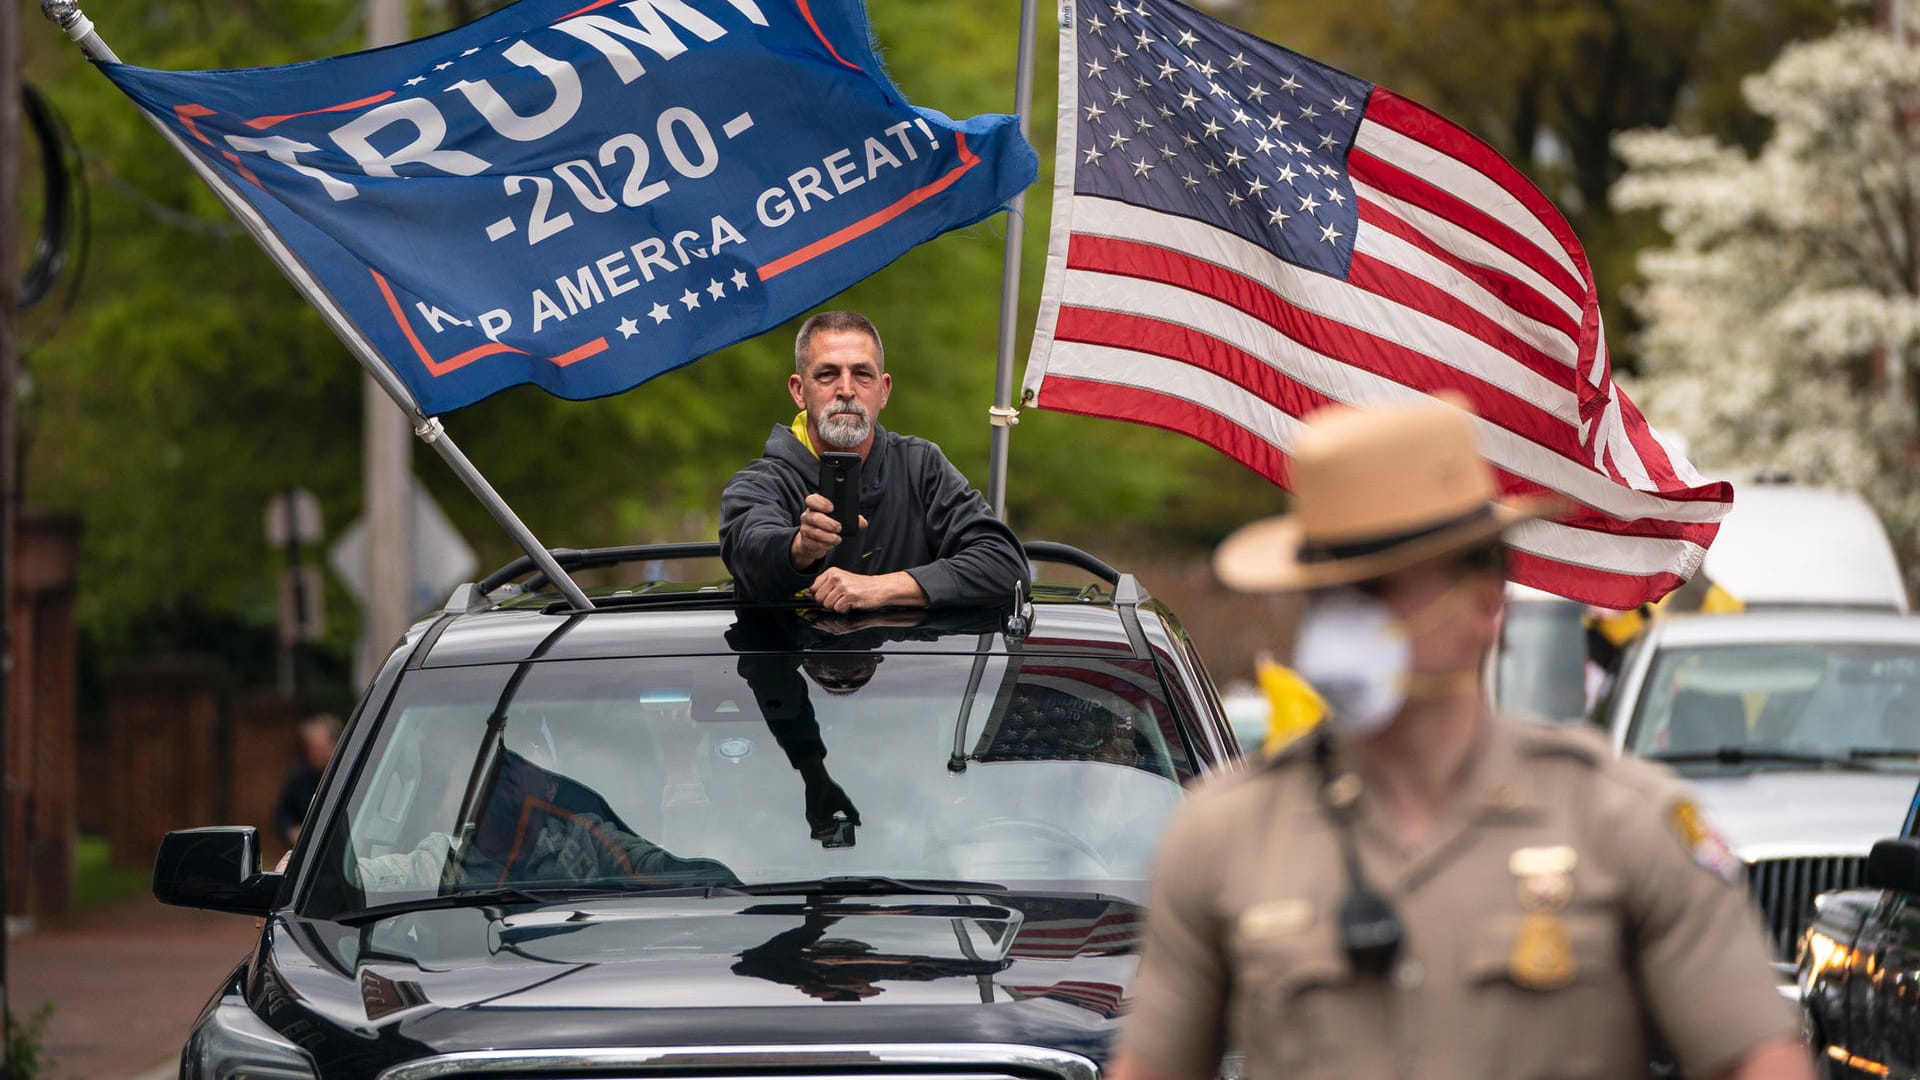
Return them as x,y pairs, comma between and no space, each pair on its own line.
126,981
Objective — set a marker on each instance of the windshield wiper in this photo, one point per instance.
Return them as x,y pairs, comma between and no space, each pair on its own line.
512,895
1746,755
865,885
1868,752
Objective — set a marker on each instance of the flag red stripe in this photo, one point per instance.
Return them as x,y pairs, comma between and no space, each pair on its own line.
1089,398
1652,455
1604,588
1421,124
1139,333
1353,347
1397,182
1392,283
1510,290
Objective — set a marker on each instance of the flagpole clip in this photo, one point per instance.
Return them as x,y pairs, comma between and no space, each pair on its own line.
1002,415
429,429
66,14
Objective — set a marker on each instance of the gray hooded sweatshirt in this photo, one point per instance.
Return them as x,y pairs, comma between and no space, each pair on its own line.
922,517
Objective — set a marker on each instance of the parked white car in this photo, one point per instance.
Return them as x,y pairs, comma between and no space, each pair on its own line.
1799,731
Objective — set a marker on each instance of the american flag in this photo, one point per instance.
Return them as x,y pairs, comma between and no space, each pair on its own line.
1242,235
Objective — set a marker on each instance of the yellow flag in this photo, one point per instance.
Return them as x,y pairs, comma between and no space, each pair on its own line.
1293,706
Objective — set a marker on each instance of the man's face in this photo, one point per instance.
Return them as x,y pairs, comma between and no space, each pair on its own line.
843,389
1453,615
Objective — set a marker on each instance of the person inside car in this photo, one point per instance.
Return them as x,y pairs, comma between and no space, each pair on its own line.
536,826
927,538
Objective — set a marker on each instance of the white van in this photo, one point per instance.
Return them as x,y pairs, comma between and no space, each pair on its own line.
1785,545
1782,546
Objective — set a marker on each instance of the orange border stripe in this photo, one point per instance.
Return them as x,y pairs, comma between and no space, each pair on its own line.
574,356
261,123
807,13
876,219
435,367
584,10
187,114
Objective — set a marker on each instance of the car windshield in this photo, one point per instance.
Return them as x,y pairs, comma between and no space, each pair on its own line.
1783,705
1026,771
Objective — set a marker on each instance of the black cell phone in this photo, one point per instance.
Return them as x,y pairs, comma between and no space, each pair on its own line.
840,483
838,836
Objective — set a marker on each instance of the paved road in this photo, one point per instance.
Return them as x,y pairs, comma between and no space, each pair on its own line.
126,981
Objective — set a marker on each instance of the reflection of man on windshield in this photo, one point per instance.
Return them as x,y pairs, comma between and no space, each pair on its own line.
838,653
536,826
842,968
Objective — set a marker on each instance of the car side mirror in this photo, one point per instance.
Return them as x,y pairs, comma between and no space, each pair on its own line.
216,868
1894,865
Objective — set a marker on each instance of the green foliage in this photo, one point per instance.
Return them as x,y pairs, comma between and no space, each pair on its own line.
26,1056
97,881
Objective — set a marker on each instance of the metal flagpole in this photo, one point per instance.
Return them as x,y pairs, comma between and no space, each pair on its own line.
68,16
1003,415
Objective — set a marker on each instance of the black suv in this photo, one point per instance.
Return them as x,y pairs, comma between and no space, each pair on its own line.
681,835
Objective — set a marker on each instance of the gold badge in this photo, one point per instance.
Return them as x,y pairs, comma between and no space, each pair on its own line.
1533,861
1542,957
1276,918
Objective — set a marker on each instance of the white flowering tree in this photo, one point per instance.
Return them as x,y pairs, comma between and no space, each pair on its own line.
1781,327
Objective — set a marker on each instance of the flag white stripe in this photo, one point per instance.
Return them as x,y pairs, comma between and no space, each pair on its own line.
1640,556
1328,297
1607,552
1465,183
1468,245
1515,453
1377,243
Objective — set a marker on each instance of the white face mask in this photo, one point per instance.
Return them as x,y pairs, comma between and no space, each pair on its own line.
1353,650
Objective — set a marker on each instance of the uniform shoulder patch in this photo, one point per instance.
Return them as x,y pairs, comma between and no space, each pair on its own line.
1710,850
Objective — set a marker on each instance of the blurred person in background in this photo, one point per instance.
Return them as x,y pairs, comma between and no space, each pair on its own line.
319,734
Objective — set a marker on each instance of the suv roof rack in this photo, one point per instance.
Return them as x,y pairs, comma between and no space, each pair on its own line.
1127,591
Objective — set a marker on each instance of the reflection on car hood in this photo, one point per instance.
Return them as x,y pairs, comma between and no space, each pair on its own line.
1770,814
1048,971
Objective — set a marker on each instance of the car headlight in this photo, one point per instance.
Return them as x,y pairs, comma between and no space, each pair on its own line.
231,1043
1820,954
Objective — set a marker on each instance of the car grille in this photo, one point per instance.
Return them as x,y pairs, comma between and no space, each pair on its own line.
1785,888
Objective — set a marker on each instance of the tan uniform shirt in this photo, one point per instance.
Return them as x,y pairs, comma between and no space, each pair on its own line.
1566,909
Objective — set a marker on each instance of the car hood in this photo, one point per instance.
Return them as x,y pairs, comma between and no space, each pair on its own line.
1773,814
1047,971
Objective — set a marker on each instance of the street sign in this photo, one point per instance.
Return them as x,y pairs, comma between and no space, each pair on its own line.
441,558
293,517
303,614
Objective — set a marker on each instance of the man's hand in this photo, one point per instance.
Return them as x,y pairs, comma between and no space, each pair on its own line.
818,534
825,799
843,590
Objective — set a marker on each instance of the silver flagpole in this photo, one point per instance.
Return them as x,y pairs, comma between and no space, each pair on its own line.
1003,415
67,15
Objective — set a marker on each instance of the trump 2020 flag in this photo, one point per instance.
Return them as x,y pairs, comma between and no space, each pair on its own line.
582,194
1242,235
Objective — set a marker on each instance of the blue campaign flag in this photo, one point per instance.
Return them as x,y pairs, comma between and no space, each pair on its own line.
583,195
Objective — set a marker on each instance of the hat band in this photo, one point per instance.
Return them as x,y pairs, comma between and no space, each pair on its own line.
1317,552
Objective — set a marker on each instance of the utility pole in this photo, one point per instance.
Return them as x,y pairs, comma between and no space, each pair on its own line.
386,463
10,150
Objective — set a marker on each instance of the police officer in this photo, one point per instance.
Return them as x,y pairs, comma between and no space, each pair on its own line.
1419,888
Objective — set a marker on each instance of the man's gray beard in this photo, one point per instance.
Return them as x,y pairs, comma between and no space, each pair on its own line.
845,430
